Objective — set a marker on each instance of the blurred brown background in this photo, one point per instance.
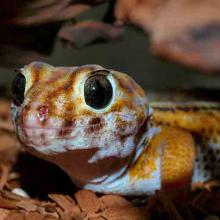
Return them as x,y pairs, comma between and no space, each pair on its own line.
131,53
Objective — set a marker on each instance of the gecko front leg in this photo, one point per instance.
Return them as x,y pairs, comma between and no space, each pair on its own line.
175,149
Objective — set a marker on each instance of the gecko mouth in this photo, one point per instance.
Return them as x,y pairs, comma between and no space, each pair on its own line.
61,127
48,142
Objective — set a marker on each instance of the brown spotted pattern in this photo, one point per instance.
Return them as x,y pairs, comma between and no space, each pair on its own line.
202,119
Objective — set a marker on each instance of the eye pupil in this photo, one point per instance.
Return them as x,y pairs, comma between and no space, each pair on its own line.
97,91
18,88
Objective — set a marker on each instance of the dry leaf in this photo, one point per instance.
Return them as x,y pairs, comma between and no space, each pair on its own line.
193,39
85,33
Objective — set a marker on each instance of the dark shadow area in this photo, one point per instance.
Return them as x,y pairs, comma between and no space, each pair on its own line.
40,178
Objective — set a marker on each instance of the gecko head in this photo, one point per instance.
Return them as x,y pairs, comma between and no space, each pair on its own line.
85,115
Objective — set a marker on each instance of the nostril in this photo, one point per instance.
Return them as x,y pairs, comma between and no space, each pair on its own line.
42,113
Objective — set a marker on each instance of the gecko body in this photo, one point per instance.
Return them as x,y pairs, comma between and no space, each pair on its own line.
99,127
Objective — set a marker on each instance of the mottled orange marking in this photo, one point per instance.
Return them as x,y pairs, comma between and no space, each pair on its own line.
39,71
120,104
55,86
128,85
124,84
48,91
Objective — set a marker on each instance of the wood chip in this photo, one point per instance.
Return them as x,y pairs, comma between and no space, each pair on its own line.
88,201
111,201
96,218
78,216
65,202
48,217
43,212
33,216
128,213
5,116
169,206
27,205
15,215
9,204
3,213
4,174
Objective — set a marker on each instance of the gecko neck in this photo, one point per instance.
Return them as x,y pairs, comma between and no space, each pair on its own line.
147,133
122,183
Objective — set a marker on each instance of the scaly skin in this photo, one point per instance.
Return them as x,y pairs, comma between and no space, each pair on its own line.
130,146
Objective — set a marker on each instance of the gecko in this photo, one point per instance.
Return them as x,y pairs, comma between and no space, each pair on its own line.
98,126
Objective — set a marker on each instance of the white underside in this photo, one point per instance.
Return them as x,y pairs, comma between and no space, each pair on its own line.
127,185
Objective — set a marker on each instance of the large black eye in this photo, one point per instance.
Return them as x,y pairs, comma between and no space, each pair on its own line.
98,90
18,88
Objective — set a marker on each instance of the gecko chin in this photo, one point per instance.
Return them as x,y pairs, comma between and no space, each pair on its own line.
86,157
93,147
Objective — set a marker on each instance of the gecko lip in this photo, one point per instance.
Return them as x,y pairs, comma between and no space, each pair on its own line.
48,143
59,128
